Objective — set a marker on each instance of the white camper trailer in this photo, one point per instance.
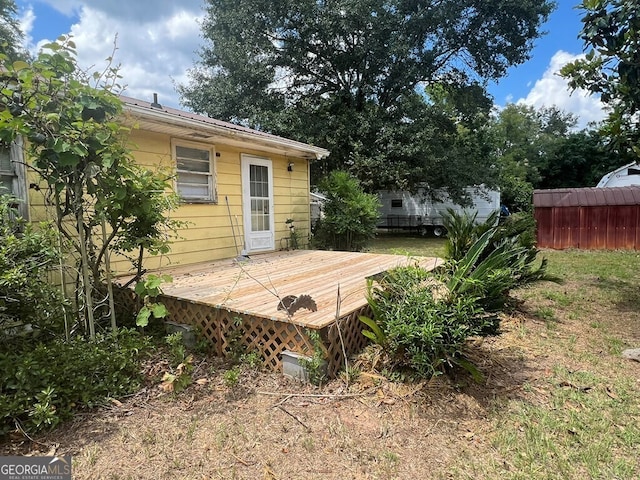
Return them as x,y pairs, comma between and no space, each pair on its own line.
402,210
625,176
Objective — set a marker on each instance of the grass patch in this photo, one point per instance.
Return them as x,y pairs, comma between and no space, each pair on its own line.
405,244
586,428
582,420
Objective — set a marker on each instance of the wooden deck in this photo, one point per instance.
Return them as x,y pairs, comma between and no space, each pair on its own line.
226,296
253,287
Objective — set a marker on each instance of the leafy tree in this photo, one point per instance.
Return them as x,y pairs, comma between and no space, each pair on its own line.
10,33
611,68
580,160
102,200
527,141
366,72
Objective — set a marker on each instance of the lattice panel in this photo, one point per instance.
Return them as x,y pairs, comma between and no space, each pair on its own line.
354,341
270,338
203,317
127,303
225,328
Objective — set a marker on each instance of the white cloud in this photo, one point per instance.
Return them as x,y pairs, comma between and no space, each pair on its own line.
26,20
552,90
65,6
156,44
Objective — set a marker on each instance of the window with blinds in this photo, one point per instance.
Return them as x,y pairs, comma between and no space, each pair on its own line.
195,172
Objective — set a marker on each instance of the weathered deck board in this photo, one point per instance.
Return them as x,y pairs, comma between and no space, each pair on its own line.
241,286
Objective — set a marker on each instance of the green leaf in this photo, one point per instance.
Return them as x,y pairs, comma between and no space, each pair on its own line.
59,145
79,149
153,281
120,193
476,374
20,65
68,159
142,319
141,288
376,334
159,310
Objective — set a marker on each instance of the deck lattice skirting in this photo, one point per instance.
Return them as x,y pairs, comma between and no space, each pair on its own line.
225,329
234,305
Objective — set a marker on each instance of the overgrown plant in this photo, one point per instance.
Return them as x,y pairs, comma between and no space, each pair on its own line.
149,289
41,386
294,237
350,216
464,229
316,364
422,319
490,270
180,376
28,254
421,327
77,145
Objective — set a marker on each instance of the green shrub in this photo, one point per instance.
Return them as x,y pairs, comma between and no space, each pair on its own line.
496,263
463,230
351,215
424,327
27,255
423,319
521,225
42,385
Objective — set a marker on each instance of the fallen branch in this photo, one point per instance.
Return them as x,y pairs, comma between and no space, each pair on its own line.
22,430
239,460
316,395
294,417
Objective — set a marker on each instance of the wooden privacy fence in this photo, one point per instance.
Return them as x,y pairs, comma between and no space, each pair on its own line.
588,218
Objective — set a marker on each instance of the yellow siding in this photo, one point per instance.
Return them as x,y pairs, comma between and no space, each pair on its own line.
208,235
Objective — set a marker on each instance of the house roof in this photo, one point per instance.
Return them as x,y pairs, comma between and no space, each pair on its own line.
196,127
586,197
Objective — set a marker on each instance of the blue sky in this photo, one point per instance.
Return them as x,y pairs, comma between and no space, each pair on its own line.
562,30
157,42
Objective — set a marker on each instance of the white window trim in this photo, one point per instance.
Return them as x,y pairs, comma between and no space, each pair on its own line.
212,178
19,174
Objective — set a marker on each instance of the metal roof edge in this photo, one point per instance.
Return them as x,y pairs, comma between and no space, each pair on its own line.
586,197
605,178
185,119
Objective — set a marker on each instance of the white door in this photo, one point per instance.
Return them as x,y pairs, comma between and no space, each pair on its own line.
257,201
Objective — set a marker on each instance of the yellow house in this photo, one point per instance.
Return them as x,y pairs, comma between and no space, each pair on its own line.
238,186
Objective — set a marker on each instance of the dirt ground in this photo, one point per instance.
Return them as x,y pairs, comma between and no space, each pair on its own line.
269,427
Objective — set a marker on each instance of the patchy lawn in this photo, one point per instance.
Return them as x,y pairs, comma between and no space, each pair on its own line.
558,403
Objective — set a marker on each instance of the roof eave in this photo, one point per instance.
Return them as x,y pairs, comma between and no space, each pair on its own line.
254,139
